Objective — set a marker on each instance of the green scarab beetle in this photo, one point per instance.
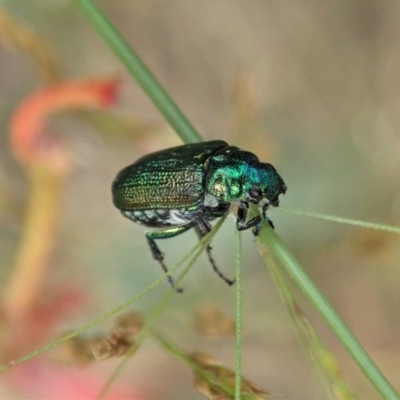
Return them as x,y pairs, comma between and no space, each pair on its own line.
187,186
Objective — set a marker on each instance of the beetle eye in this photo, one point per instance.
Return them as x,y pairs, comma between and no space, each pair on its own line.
255,193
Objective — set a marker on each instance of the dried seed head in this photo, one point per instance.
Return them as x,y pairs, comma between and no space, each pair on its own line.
78,350
121,337
218,382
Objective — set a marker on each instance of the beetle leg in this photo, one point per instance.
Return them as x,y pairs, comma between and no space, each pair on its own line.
264,213
241,222
155,251
202,228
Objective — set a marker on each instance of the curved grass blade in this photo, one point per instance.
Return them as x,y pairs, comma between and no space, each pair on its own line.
268,239
139,71
323,360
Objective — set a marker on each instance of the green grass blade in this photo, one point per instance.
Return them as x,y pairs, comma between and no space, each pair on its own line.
139,71
239,301
268,239
341,220
323,360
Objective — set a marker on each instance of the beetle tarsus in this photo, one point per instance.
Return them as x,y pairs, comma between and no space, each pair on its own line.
266,218
256,229
230,282
202,229
270,223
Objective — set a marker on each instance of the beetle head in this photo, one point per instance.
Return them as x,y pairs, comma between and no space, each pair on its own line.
264,184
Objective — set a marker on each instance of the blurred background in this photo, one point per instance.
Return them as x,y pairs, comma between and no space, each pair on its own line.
312,87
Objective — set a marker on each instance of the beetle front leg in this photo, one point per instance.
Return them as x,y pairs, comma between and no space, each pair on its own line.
241,222
155,251
264,213
202,228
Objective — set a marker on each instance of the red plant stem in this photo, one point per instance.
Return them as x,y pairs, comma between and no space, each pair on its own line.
33,257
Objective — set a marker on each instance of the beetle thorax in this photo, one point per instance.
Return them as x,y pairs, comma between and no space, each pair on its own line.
227,183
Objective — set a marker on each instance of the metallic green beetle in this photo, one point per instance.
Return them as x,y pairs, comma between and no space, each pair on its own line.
187,186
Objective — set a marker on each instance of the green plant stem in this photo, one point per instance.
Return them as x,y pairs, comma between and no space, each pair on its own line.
139,71
239,302
269,237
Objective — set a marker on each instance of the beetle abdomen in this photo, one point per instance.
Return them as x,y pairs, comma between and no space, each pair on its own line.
159,218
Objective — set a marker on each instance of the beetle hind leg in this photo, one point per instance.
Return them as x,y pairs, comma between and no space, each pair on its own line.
156,252
202,228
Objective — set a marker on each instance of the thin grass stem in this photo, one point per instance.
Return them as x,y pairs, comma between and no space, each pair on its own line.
342,220
239,321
